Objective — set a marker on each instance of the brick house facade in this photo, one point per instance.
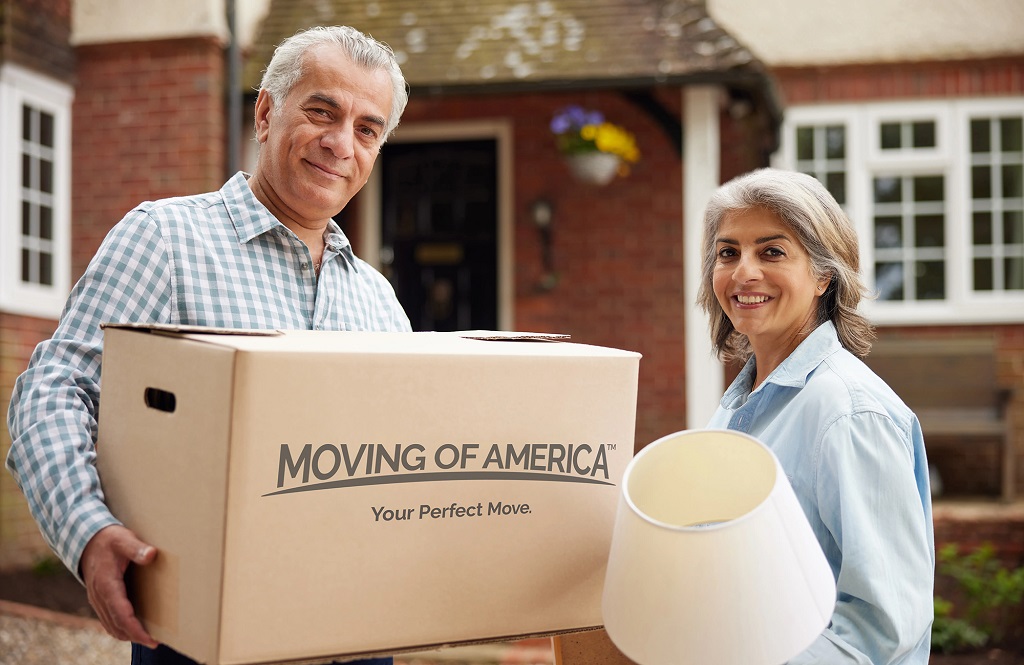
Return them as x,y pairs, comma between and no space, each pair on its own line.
149,122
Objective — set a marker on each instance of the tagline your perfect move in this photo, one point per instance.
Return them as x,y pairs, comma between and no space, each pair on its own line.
454,511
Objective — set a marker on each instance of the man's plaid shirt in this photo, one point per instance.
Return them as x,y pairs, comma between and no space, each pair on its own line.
217,259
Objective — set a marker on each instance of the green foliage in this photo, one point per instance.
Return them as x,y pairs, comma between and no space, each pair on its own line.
989,589
950,634
46,566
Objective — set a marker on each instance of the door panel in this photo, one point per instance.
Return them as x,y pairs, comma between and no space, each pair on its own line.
440,229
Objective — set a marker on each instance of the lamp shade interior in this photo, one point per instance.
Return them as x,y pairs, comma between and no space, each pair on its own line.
718,479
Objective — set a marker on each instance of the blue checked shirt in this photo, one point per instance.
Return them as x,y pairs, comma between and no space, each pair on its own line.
217,259
855,457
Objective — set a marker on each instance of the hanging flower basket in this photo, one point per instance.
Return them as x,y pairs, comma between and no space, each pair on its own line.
595,150
594,168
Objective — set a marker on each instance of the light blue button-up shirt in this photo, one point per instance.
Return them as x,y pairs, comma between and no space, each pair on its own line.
217,259
855,456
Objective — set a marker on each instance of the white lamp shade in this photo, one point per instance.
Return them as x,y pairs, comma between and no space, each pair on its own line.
712,560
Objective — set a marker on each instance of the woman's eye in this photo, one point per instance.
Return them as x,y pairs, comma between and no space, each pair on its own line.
774,252
726,252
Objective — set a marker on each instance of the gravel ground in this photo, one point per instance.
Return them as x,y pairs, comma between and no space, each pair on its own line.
31,636
35,636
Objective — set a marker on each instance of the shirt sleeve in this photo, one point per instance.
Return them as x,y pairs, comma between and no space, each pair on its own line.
54,407
869,501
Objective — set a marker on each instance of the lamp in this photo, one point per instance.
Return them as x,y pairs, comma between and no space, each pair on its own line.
712,559
543,216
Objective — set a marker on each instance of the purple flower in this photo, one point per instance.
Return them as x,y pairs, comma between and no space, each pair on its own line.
573,118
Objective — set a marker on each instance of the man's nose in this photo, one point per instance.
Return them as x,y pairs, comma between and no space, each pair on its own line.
339,140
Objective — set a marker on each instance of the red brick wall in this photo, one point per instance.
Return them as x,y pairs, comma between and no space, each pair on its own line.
855,83
35,34
149,122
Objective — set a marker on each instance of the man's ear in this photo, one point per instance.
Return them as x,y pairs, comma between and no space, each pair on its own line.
263,110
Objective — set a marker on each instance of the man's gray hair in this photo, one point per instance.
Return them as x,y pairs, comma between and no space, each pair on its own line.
285,68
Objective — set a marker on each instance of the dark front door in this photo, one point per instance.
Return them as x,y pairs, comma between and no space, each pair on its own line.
440,230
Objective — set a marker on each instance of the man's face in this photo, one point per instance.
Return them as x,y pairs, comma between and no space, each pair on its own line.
319,144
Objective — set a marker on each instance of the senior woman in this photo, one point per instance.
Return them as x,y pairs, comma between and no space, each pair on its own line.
780,282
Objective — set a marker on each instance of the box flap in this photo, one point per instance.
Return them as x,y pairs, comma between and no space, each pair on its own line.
187,329
511,336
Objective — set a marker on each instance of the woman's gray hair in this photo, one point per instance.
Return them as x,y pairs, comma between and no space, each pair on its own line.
285,68
824,230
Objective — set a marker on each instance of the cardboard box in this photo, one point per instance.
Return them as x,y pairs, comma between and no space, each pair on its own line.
324,494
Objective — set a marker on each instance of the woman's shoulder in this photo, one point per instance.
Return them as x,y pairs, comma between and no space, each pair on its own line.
842,375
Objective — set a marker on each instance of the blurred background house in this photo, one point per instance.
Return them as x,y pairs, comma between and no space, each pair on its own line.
911,113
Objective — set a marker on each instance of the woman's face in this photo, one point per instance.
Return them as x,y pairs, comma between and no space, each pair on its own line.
763,281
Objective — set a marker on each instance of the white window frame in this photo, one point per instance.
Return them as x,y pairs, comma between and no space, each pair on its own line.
18,87
950,158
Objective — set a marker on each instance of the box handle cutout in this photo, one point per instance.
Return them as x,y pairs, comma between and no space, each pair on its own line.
161,400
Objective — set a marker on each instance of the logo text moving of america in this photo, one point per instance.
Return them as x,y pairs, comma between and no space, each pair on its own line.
338,465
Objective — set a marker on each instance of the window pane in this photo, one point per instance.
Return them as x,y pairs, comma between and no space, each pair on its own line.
930,283
26,123
26,267
26,171
1014,273
1013,228
26,218
981,182
981,140
1013,181
888,233
890,136
887,190
805,143
46,222
924,134
889,281
45,269
46,176
46,129
836,184
928,231
1010,134
835,142
981,231
983,275
928,188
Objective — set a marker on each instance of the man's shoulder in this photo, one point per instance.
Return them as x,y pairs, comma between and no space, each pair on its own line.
172,204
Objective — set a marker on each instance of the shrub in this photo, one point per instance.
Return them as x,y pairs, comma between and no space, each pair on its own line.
990,591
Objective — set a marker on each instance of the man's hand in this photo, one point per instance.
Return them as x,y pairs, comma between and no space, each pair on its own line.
104,561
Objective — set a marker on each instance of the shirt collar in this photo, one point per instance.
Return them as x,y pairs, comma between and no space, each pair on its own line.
794,370
251,218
